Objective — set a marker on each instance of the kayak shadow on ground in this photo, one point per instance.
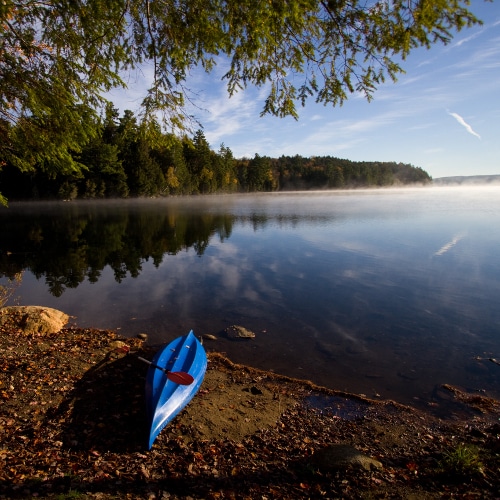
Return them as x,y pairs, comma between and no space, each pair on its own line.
106,410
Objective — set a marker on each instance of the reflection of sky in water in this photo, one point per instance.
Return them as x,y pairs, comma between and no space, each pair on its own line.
387,292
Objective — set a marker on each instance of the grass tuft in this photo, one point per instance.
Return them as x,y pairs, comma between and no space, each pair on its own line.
462,461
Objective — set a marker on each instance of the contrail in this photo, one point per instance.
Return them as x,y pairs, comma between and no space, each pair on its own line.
464,124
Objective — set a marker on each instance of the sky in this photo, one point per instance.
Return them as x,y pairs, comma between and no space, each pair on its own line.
442,115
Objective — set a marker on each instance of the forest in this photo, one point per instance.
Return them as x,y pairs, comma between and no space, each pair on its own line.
122,161
60,137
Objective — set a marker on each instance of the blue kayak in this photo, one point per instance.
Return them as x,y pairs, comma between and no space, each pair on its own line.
183,359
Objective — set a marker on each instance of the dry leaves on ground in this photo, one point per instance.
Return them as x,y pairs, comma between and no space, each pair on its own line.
72,423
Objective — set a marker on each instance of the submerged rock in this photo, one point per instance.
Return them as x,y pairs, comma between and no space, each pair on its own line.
208,336
239,332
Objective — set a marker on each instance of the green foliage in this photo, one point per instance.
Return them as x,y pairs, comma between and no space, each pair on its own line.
105,176
199,162
224,167
50,87
258,174
123,160
463,461
58,59
334,173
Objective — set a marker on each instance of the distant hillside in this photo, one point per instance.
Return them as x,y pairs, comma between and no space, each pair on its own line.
467,180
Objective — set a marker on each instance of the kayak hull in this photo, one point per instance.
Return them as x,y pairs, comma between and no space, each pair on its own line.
164,398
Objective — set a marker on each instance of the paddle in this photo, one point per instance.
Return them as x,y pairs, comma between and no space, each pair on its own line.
181,378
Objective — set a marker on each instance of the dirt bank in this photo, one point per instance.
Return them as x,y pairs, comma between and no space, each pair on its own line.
73,425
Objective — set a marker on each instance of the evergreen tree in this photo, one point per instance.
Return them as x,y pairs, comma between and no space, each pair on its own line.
259,175
225,170
199,163
105,176
58,58
179,168
144,175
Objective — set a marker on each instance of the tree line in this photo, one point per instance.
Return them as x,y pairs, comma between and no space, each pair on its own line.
122,160
59,59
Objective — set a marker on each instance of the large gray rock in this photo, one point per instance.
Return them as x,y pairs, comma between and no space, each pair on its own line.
33,320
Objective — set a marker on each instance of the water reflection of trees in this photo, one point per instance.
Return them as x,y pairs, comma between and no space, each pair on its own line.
68,246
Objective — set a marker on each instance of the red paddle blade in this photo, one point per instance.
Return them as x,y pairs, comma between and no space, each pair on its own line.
181,378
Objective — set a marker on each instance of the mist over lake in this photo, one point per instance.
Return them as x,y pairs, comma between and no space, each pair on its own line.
389,293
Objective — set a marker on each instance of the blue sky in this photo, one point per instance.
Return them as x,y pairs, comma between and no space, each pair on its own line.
442,115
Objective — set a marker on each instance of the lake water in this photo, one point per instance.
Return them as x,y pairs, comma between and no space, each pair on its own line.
388,293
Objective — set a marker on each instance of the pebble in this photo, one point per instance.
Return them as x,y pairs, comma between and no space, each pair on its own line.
208,336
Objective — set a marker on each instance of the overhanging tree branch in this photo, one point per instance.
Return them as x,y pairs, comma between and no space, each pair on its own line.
59,58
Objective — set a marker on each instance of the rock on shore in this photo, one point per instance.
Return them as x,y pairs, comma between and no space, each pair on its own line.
33,320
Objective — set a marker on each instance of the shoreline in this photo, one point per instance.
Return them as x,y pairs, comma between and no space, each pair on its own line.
72,421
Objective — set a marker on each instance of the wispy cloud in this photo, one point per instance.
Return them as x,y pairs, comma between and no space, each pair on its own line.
226,117
450,244
433,151
464,124
468,38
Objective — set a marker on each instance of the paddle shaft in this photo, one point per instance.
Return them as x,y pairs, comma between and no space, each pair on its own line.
181,378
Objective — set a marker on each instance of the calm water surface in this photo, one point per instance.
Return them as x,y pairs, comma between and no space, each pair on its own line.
388,293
